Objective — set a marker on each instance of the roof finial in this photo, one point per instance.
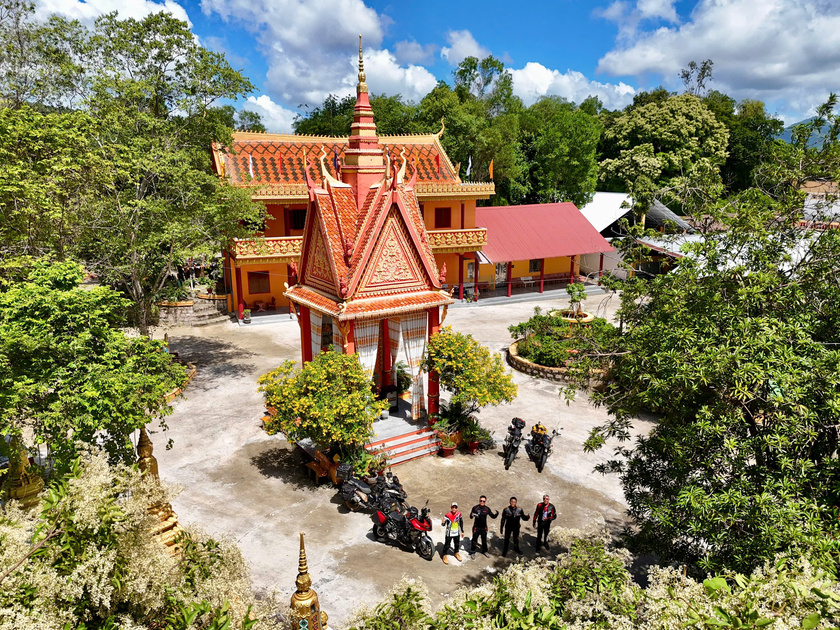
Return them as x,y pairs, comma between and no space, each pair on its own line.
303,581
362,87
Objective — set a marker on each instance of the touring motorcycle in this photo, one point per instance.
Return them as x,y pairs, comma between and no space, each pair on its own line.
410,530
513,440
377,493
539,446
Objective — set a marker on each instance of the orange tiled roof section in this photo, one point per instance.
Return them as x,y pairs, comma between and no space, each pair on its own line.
280,158
384,306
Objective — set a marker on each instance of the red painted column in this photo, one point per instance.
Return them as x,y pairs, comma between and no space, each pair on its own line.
386,356
305,334
434,384
601,268
239,300
350,346
475,275
461,274
542,274
462,217
509,274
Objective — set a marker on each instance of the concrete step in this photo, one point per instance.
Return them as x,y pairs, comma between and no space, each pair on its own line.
403,441
206,320
392,449
407,457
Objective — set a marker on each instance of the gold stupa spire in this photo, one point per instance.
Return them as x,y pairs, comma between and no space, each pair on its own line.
168,529
306,611
362,87
146,462
21,484
303,581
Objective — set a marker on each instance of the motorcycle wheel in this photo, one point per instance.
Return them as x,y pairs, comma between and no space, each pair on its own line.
425,548
541,463
511,454
379,531
351,507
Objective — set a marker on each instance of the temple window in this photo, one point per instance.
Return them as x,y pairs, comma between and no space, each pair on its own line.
258,282
535,266
297,219
443,218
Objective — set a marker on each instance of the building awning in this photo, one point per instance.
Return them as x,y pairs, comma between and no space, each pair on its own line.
546,230
606,208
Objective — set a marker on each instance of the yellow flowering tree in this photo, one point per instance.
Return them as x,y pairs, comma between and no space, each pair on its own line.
329,400
474,375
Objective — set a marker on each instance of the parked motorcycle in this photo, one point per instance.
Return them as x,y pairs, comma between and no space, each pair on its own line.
539,446
410,530
513,440
376,493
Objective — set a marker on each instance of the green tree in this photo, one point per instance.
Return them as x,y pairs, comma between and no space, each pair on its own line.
332,118
86,557
559,143
68,374
249,121
330,400
675,144
474,375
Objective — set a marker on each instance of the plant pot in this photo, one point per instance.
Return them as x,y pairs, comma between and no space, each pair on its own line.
405,396
246,319
446,451
472,447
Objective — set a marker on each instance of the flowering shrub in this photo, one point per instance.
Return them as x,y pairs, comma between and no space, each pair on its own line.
329,400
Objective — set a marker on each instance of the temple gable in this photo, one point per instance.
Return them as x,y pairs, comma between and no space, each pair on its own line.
318,273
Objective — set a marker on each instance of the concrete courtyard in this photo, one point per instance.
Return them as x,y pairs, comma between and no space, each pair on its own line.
240,483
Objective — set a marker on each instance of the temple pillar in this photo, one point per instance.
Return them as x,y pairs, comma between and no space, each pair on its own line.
461,274
542,274
600,267
350,342
475,275
240,302
509,276
573,272
434,383
305,333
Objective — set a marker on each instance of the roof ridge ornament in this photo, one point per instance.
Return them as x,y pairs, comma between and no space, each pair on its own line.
362,86
401,172
442,127
325,173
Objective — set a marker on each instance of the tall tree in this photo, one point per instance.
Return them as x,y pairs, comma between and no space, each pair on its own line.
332,118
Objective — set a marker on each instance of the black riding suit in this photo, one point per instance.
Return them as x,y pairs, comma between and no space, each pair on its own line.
511,521
544,513
479,515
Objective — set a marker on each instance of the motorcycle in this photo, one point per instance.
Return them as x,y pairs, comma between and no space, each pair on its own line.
377,493
513,440
410,530
539,447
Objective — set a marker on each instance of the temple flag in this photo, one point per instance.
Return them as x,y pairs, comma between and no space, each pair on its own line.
437,162
335,159
251,165
469,166
491,169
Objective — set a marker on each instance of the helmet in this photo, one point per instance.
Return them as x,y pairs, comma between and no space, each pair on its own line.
539,429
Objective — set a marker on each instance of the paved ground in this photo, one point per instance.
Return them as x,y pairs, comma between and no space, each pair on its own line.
241,483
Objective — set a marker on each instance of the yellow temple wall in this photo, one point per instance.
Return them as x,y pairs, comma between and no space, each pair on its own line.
277,276
455,214
276,226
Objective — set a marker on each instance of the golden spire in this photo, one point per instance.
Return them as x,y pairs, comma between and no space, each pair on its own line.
304,604
303,581
146,462
362,87
21,484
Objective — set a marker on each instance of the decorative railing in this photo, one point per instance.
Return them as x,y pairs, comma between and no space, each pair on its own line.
471,189
471,240
272,247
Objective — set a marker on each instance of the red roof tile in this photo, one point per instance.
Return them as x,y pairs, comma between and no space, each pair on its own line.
537,231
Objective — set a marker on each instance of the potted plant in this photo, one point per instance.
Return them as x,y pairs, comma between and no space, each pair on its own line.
246,316
403,380
471,434
447,443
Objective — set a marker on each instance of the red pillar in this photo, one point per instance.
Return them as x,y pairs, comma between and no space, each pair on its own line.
350,346
601,268
386,356
542,274
305,334
239,300
509,274
434,383
475,275
461,276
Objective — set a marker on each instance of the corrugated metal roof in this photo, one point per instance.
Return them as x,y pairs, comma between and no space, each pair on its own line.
606,208
534,231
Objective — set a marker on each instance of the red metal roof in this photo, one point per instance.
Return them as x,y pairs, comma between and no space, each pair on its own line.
543,230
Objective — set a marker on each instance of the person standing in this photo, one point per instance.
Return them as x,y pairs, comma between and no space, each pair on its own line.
543,515
479,515
512,518
453,525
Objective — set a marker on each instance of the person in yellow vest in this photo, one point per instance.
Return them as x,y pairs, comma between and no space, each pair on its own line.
453,525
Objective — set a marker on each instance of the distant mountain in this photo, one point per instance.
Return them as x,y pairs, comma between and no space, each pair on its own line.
787,134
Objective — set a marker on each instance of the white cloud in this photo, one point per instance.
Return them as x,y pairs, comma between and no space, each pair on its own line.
412,52
462,44
86,11
780,51
661,9
276,118
385,76
535,80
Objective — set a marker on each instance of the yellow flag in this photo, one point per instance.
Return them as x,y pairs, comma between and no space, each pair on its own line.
491,169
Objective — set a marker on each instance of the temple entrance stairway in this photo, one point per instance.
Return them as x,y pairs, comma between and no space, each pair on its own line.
403,439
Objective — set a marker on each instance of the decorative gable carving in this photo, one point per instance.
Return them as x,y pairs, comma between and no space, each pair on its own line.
318,271
394,264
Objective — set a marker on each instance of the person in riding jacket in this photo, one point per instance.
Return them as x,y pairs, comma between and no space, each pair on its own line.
479,515
544,513
511,521
453,525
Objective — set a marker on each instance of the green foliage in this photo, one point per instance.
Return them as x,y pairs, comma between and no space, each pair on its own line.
475,377
67,372
329,400
87,558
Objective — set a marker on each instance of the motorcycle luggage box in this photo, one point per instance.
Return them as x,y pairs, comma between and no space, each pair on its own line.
519,423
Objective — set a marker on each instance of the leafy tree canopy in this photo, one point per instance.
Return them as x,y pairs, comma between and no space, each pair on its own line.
67,372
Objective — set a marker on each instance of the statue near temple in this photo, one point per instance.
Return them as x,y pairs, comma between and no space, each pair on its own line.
21,484
306,613
169,528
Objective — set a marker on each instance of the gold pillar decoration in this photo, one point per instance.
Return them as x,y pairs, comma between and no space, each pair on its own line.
306,612
362,86
168,529
21,485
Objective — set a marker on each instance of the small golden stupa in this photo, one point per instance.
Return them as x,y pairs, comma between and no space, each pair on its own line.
21,484
169,528
306,612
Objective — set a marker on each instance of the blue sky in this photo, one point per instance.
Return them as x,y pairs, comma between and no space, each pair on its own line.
784,52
